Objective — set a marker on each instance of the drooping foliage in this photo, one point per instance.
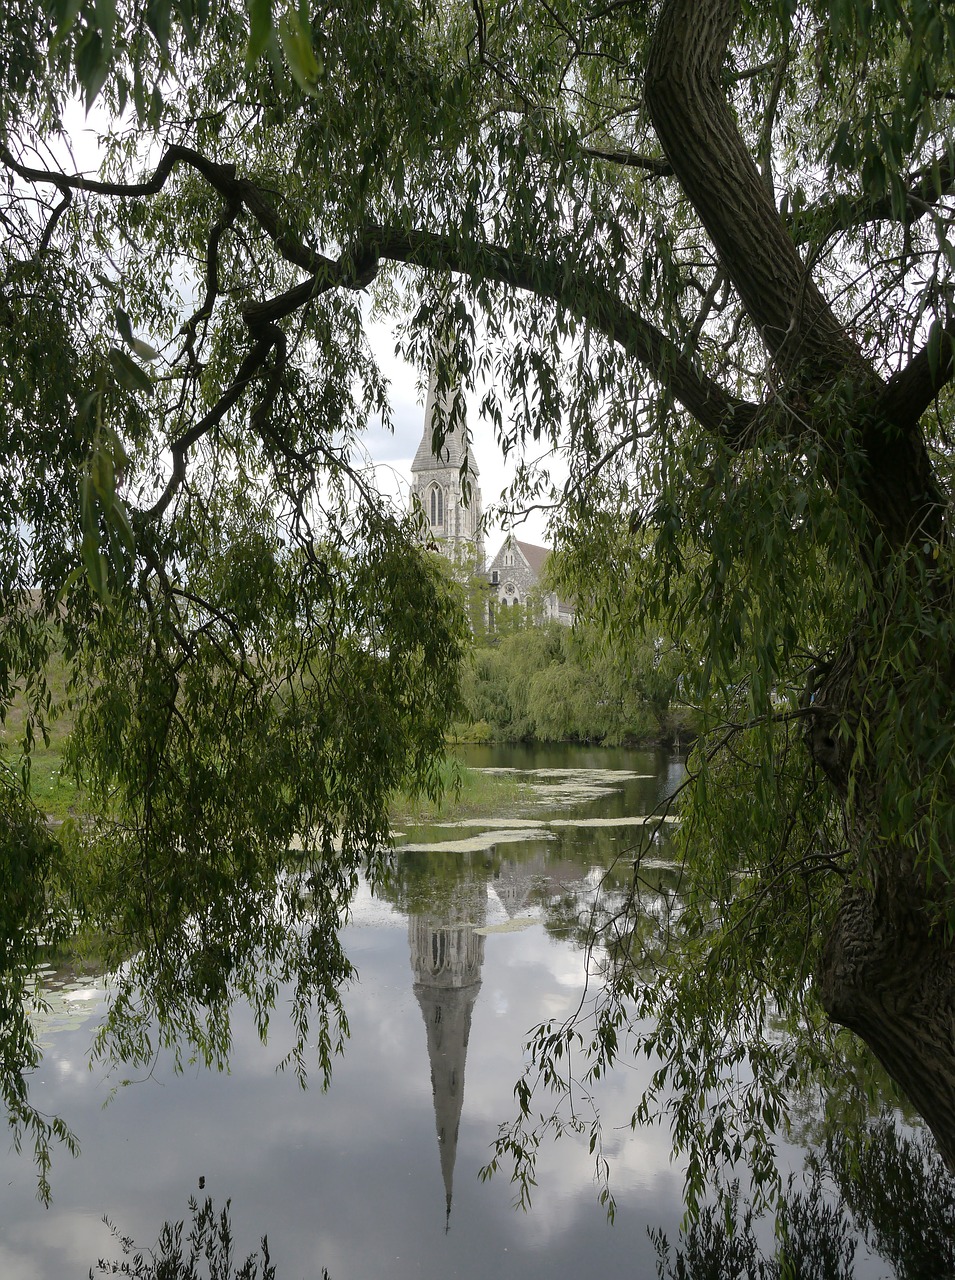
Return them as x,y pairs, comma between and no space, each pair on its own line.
702,248
551,684
259,650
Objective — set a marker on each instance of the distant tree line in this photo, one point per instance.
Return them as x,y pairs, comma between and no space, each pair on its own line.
549,683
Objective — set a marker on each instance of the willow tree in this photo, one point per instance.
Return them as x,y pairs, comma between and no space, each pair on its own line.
701,247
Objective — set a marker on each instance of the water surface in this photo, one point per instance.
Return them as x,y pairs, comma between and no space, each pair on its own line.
472,944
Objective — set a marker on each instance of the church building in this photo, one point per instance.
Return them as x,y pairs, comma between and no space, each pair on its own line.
452,514
515,573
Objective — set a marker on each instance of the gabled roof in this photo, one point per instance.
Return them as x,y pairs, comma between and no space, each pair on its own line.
535,556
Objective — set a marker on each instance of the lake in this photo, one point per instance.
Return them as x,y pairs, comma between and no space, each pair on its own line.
473,943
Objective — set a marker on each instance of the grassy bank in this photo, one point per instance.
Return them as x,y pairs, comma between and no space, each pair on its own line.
53,791
467,793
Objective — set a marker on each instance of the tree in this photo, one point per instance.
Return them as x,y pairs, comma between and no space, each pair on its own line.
705,248
259,649
546,682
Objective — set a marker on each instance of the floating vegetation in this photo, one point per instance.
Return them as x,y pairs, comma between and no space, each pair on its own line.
64,1004
509,926
494,824
532,824
631,820
480,843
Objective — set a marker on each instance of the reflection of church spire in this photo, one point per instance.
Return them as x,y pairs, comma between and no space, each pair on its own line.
446,956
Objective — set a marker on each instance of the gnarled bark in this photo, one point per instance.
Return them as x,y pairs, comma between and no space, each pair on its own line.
700,137
887,970
887,975
813,353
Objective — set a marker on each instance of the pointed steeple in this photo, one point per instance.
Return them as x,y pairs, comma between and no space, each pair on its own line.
446,957
444,483
439,411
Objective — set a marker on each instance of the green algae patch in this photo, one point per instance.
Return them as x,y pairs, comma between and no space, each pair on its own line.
479,843
508,926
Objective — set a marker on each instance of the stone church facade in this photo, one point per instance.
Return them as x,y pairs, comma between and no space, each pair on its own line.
446,489
451,505
514,577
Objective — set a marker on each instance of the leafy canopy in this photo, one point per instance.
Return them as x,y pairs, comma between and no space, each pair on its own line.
732,318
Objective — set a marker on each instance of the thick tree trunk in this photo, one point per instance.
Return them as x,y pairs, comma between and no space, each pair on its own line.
887,975
887,970
700,136
812,352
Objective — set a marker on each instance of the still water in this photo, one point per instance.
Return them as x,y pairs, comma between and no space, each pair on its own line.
470,947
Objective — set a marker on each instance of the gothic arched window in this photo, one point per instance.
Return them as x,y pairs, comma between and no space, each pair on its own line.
437,507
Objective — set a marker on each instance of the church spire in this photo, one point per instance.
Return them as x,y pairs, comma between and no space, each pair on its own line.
444,418
444,480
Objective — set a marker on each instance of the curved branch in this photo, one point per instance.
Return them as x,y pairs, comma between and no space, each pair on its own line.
54,218
250,366
222,177
584,297
354,269
925,188
813,352
228,215
589,300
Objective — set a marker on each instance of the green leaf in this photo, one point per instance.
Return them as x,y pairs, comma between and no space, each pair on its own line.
120,521
128,373
124,327
103,474
158,20
144,350
92,65
67,14
85,410
87,516
299,54
96,567
261,26
106,20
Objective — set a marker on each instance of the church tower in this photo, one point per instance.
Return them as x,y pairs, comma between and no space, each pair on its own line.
452,517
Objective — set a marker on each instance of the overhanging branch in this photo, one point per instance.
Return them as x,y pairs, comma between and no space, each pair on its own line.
582,295
924,189
655,165
589,300
222,177
910,392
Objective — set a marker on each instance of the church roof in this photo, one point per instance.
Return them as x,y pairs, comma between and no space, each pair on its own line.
456,447
535,556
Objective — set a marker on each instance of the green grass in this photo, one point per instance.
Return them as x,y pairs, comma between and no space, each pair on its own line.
53,791
465,792
468,793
